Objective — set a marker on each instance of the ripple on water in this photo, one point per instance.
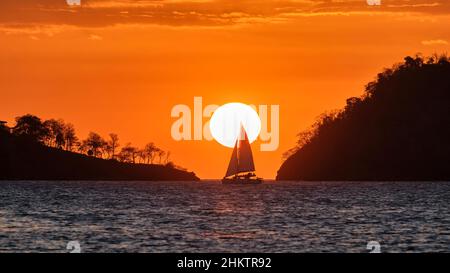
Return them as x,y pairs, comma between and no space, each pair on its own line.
206,216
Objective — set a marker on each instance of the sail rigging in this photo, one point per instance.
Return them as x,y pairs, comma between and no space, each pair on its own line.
242,157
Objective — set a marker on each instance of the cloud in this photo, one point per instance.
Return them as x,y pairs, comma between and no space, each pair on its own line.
434,42
418,5
34,30
101,13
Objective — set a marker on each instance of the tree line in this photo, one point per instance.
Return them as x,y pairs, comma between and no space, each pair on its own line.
61,135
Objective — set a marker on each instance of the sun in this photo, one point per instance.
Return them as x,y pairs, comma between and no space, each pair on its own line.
226,123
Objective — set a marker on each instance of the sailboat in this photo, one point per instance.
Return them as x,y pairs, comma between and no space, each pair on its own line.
241,167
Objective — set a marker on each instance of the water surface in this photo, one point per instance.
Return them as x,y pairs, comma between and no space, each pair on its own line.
39,216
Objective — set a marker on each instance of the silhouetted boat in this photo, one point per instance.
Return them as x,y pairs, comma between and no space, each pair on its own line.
241,167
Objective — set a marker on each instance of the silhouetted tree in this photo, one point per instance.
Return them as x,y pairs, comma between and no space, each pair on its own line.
160,153
129,153
106,150
166,160
31,127
150,150
122,157
55,137
81,147
142,156
95,144
70,137
113,144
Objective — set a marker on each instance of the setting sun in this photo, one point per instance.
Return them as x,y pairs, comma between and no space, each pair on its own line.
226,123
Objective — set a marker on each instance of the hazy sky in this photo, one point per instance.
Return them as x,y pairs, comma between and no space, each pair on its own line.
120,66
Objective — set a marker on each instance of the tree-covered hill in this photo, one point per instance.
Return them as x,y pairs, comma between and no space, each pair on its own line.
24,155
398,130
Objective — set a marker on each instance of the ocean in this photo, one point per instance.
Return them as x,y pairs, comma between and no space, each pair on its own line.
155,217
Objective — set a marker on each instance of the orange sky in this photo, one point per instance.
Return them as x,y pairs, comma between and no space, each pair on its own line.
120,66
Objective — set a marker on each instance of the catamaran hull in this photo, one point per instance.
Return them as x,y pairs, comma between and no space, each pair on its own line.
231,181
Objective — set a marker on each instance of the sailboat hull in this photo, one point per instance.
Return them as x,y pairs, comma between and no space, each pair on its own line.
241,181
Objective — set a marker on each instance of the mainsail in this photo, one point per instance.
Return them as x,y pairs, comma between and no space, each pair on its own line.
242,157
